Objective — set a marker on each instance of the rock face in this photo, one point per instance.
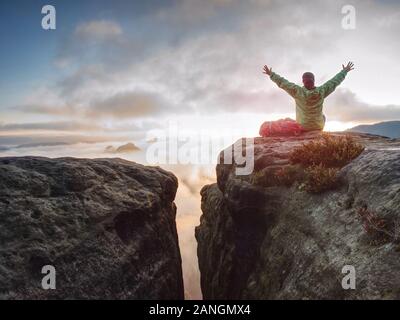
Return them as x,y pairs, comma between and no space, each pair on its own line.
285,243
106,225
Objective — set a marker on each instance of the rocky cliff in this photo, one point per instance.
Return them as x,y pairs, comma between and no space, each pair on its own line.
106,225
282,242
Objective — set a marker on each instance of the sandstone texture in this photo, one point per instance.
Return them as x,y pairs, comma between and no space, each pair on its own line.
106,225
282,242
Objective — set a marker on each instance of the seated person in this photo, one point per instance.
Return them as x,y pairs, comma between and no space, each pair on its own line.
309,98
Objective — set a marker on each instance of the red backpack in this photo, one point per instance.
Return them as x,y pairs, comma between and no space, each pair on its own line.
282,127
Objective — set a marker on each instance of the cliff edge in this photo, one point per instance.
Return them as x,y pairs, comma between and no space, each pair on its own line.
282,241
107,226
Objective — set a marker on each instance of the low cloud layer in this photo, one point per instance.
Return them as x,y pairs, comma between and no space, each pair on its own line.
122,105
25,141
345,106
129,105
50,126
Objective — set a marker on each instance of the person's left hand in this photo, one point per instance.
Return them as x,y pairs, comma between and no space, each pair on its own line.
267,70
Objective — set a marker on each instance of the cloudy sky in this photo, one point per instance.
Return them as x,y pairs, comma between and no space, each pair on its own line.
114,70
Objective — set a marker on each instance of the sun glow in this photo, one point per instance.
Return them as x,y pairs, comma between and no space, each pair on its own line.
338,125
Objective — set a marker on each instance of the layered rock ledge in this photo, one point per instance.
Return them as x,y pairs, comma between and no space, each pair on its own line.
106,225
279,242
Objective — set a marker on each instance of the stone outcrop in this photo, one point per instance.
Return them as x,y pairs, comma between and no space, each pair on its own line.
280,242
106,225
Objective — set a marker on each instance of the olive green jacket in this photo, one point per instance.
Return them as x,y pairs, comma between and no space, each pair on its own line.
309,103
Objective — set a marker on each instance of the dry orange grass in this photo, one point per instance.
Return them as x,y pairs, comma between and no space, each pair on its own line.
314,164
329,151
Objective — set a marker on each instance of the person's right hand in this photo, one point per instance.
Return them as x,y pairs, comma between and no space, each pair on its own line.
267,70
349,67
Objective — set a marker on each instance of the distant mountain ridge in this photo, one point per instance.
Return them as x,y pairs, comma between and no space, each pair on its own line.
129,147
389,129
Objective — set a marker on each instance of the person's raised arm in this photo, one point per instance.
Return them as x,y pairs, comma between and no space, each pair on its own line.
330,86
289,87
